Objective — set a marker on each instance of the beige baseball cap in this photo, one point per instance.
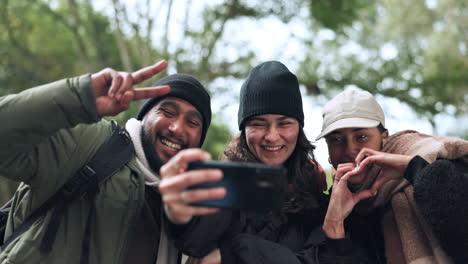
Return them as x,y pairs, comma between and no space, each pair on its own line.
351,108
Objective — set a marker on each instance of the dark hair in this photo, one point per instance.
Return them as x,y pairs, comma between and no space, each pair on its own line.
302,173
381,128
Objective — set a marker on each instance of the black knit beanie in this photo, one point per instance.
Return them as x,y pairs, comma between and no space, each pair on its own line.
270,89
186,87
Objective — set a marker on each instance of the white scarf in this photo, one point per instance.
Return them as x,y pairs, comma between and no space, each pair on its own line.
167,253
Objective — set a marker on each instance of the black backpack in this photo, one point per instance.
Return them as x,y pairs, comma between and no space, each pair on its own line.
110,157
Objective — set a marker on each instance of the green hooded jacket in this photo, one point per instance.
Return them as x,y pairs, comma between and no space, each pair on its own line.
48,133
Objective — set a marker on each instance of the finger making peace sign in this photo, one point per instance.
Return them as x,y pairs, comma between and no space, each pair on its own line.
114,90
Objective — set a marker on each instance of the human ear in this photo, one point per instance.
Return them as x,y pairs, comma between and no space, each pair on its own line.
385,134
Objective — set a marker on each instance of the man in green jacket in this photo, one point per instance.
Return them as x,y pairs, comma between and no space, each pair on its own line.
49,132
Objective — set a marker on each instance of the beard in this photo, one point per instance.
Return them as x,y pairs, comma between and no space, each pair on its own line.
152,157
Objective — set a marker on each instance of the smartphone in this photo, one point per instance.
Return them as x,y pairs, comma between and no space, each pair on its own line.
249,186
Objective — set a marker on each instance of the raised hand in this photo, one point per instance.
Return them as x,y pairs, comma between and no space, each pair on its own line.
342,202
175,180
393,165
114,90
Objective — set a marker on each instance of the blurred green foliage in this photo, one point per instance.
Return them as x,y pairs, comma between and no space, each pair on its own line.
217,137
421,60
381,46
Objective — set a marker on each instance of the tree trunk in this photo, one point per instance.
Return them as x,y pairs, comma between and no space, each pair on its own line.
120,38
75,26
94,35
166,29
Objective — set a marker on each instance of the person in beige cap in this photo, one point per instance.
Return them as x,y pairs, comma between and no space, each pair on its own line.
352,113
397,193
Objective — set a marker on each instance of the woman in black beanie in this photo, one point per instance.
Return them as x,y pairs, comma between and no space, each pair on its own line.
271,123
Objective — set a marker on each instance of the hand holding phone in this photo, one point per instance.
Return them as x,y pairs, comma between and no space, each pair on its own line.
174,182
249,186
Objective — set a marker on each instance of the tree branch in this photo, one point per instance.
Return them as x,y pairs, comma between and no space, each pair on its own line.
217,35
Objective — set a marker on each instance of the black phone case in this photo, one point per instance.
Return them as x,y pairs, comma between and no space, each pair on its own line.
249,186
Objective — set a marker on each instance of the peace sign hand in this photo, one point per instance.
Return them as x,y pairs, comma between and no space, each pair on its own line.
114,90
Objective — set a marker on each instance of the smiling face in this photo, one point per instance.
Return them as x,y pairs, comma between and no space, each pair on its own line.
344,145
272,138
171,125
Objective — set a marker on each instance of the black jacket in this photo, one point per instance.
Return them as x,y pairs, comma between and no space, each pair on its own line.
440,192
248,237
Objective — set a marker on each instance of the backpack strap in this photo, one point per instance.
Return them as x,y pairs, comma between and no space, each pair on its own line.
110,157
